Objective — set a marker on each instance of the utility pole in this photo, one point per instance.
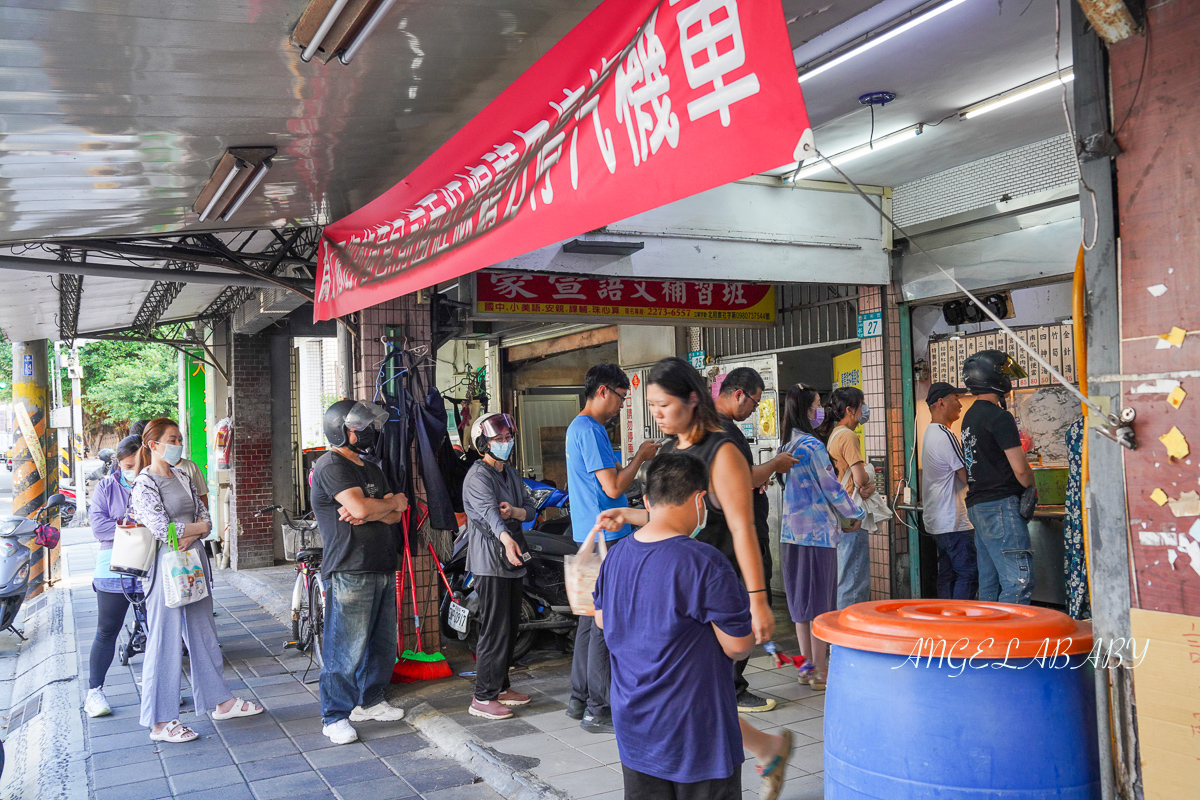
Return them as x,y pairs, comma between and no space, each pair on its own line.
75,373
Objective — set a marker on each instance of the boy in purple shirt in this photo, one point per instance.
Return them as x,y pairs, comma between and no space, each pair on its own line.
675,618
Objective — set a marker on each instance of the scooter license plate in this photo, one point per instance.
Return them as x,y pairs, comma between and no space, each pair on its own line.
457,617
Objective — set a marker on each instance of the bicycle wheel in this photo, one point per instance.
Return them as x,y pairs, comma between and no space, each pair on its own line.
316,605
302,616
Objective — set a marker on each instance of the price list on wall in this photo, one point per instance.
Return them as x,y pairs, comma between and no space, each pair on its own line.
1054,343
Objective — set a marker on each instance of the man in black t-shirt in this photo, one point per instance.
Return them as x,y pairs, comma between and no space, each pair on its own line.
741,392
997,475
355,512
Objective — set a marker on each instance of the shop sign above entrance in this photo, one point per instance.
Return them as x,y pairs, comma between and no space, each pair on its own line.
643,103
870,324
533,297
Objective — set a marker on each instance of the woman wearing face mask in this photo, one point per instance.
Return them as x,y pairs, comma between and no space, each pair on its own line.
845,410
817,511
162,495
110,503
496,502
683,408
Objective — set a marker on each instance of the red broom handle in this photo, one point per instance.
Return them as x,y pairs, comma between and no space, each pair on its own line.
400,601
438,564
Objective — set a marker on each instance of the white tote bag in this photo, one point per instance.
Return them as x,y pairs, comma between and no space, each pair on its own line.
182,573
133,550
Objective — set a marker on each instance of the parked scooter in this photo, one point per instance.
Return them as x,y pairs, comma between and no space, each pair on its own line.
546,497
15,557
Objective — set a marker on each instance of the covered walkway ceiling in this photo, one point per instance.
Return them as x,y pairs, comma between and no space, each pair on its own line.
113,113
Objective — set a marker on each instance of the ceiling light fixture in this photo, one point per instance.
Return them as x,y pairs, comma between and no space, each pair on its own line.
846,156
1019,93
237,174
871,43
337,27
347,56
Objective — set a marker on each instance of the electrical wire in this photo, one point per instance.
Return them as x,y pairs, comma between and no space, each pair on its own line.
1141,75
1074,141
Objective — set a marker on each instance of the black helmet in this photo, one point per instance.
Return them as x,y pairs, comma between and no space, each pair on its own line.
352,415
991,371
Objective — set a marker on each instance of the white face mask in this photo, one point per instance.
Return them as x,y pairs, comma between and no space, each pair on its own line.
701,517
171,453
128,475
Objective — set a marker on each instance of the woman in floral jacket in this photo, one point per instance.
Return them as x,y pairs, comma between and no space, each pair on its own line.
163,494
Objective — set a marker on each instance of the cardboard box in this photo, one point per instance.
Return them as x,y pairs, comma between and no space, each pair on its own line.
1167,692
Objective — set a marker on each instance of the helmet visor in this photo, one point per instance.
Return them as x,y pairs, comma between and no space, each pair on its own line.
366,415
1012,369
497,424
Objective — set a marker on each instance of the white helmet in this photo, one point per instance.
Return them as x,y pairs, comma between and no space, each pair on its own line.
488,426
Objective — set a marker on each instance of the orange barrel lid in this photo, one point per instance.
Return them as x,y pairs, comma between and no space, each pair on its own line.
954,628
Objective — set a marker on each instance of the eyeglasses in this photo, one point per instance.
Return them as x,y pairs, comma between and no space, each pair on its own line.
618,394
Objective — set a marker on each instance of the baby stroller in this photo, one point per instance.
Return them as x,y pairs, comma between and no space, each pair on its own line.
135,633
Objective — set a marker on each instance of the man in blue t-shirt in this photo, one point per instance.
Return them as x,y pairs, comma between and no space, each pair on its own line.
675,618
596,482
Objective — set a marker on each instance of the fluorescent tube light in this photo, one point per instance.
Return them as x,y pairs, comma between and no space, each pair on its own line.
326,24
238,166
846,156
263,169
348,54
871,43
1019,93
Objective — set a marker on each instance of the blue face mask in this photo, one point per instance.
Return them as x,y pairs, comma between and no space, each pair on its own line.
501,450
127,475
865,414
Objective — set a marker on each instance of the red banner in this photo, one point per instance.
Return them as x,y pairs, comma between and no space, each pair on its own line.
500,295
643,103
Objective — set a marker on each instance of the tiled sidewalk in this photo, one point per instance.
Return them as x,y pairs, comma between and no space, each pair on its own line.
586,765
279,754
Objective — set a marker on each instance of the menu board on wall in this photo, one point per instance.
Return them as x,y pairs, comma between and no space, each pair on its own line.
1054,343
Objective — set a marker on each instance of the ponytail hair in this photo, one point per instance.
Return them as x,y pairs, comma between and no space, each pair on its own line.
153,432
841,400
679,379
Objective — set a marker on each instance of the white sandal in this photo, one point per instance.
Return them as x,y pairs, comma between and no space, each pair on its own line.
174,732
240,708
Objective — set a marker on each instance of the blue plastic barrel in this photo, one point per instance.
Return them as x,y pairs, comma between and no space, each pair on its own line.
1000,718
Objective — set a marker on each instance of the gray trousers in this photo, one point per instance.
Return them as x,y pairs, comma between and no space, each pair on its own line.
166,630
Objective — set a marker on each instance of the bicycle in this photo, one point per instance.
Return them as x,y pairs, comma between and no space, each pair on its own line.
302,544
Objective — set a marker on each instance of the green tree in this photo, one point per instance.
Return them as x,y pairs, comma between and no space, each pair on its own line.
6,374
127,381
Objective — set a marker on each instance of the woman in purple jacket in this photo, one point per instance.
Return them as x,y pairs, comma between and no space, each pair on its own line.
113,592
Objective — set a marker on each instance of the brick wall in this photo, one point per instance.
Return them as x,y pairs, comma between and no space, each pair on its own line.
406,318
253,541
1042,165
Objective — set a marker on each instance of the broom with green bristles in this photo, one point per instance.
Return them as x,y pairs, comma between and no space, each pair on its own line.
415,665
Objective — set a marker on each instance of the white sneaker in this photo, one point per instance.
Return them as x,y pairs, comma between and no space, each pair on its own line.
96,704
340,732
380,712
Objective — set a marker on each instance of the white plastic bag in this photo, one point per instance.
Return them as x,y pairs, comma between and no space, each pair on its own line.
582,569
183,574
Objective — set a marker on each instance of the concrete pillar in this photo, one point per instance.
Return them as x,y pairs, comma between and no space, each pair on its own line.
30,464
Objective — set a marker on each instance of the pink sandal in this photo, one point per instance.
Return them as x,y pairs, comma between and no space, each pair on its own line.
240,708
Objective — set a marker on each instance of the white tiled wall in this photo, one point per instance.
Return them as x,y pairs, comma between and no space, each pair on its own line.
1042,165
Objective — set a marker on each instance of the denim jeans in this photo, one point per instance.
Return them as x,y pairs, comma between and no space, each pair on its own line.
1005,555
360,641
958,565
854,569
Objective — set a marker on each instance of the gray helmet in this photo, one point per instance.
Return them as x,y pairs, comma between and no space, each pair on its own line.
991,371
351,415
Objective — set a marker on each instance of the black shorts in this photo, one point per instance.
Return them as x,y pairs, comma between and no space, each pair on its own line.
640,786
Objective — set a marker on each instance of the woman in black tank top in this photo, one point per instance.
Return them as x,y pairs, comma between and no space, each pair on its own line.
683,408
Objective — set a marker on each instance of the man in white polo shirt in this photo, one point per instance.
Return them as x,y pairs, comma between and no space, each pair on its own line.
943,497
